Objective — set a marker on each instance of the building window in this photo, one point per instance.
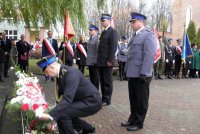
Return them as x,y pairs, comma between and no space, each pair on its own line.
11,34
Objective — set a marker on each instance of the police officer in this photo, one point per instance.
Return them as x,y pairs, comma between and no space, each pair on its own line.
139,66
169,58
122,56
76,97
92,49
105,58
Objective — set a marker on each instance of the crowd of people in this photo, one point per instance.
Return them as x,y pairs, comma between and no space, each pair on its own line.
136,64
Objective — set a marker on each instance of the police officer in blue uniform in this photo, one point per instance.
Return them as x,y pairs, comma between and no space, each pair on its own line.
76,97
122,56
138,68
105,58
92,49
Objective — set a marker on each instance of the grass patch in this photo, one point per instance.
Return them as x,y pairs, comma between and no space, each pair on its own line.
33,66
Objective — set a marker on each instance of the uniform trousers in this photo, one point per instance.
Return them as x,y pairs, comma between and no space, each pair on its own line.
122,74
169,68
70,118
6,66
139,100
1,70
105,74
177,65
94,75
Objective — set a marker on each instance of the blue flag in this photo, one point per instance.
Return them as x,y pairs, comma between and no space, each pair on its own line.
186,50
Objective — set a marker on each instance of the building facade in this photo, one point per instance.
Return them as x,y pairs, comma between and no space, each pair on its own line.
183,12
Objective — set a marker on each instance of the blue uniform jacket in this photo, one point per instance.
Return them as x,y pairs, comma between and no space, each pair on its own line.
142,49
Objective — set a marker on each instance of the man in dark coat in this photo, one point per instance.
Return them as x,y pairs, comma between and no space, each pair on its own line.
105,58
2,60
23,49
178,61
6,46
76,96
169,58
92,49
81,51
46,50
49,47
138,68
68,50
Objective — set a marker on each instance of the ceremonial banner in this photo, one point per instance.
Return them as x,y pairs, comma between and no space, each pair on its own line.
186,50
68,27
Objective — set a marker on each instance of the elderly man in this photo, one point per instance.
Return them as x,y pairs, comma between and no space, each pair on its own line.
138,68
76,97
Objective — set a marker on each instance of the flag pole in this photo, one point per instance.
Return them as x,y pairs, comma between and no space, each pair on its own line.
65,38
183,64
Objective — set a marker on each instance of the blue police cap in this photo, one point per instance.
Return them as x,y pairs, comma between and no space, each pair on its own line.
137,16
45,62
93,27
106,17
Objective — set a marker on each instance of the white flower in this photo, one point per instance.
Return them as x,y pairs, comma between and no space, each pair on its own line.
17,99
39,112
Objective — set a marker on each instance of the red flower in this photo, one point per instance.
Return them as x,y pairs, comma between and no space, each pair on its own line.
35,106
45,106
33,124
30,84
25,106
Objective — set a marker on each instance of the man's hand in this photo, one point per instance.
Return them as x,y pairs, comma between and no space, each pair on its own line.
143,78
44,116
109,64
167,60
6,53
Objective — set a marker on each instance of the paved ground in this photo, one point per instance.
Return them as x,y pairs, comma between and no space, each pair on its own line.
174,107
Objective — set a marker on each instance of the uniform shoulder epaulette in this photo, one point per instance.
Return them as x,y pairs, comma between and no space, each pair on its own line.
63,71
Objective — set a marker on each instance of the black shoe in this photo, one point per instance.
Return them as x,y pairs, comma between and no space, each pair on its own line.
126,124
159,77
52,79
105,104
6,76
169,77
90,131
1,80
133,128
